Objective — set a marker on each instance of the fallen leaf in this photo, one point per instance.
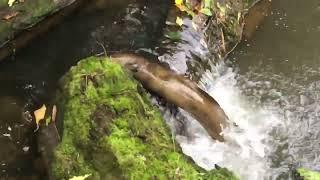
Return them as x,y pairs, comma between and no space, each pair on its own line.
10,2
179,21
178,2
173,35
39,115
54,113
80,177
10,15
206,11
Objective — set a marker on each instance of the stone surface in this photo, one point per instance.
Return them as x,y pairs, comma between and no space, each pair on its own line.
24,14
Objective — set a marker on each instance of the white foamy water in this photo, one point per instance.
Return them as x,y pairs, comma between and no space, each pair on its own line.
277,131
246,147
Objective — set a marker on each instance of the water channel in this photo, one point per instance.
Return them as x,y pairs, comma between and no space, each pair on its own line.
269,85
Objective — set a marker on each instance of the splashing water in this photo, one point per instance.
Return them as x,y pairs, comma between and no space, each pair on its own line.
277,131
295,98
244,151
271,92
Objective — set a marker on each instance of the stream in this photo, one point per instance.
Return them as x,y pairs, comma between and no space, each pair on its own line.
269,85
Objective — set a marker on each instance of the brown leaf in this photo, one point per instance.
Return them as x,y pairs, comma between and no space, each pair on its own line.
10,15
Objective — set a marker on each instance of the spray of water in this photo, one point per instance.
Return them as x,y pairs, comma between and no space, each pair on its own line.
277,115
246,147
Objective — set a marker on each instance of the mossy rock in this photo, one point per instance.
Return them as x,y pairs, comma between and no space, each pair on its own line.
111,131
22,15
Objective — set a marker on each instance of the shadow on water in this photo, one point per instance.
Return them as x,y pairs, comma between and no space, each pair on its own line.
29,77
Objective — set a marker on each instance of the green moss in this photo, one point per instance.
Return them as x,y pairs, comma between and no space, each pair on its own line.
308,174
36,11
4,31
3,3
113,132
30,13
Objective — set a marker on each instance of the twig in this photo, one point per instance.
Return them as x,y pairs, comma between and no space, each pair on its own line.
104,49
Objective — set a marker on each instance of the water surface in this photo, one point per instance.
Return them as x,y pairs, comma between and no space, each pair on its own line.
279,68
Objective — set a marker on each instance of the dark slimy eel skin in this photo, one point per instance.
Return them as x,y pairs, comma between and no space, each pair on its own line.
178,90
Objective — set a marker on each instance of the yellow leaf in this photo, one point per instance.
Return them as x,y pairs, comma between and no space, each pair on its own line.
40,113
80,177
179,21
178,2
10,2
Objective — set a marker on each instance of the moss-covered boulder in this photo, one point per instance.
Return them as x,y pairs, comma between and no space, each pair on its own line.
111,131
23,14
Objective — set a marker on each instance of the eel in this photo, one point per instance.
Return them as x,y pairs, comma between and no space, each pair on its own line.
178,90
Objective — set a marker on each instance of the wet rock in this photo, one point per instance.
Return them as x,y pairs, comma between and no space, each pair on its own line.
18,30
30,13
255,17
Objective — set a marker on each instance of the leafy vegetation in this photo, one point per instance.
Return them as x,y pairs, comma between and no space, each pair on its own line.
224,29
113,132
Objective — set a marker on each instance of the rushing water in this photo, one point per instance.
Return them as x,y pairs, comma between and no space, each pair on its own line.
269,86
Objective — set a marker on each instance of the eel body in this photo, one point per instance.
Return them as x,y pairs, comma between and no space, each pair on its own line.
177,90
